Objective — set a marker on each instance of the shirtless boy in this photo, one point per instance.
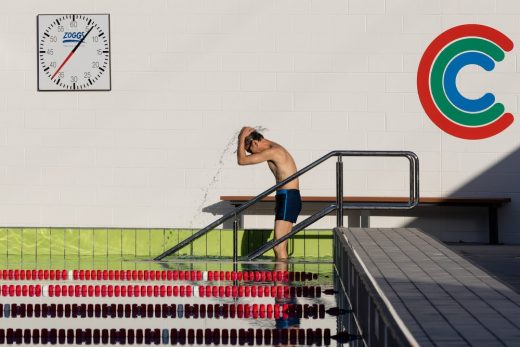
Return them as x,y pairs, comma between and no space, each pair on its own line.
281,163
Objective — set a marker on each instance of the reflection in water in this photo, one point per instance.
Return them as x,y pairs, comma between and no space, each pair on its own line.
311,306
288,320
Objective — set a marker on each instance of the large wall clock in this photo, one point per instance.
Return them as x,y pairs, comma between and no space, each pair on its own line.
73,52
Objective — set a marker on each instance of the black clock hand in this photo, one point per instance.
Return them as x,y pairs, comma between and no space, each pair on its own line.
71,53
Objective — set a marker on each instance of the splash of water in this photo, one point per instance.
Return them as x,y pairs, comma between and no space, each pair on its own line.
232,142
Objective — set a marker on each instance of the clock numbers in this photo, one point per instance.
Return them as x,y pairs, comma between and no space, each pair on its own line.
73,52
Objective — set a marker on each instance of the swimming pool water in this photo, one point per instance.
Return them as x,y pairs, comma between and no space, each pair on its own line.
178,302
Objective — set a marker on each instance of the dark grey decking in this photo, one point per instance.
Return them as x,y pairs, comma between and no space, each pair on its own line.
443,299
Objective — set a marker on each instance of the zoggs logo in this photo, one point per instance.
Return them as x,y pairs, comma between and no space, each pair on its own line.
436,81
72,36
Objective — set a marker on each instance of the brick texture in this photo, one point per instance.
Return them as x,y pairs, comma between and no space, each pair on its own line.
186,75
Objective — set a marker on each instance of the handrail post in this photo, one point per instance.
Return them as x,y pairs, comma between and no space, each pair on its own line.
414,195
235,237
339,191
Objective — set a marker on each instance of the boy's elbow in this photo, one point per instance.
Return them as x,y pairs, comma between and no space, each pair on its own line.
244,161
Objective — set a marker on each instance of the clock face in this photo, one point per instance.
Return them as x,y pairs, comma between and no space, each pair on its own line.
73,52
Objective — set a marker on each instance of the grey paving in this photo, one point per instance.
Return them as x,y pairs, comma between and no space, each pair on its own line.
443,298
500,261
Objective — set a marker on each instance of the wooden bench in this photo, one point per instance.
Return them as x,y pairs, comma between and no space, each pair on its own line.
491,203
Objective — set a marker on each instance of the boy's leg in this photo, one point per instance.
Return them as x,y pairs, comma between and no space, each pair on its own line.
281,228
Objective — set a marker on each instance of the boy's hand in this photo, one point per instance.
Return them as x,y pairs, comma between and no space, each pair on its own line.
245,132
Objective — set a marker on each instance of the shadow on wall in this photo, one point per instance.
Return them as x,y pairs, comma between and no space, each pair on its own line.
455,224
451,224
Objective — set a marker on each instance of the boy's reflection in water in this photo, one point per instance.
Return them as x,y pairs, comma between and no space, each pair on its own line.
288,320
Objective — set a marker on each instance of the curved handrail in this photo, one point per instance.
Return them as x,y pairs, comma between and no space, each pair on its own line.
414,191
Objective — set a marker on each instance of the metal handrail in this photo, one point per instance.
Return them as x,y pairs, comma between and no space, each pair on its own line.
297,228
413,201
340,206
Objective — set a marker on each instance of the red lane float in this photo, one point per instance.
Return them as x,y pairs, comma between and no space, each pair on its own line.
155,275
159,291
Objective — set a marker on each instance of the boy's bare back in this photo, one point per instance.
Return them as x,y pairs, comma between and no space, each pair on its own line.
282,165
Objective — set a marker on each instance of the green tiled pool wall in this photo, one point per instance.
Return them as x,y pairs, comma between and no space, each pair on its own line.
147,243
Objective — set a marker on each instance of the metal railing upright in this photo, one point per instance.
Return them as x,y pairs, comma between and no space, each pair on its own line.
338,207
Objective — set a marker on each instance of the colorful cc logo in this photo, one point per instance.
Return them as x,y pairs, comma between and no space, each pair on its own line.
452,112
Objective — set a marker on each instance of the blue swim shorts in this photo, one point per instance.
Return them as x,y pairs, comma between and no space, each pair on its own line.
288,205
291,320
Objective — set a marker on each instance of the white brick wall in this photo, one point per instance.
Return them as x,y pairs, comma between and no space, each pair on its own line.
366,7
187,74
507,7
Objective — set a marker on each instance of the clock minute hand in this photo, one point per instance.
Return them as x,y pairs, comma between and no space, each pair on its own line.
71,53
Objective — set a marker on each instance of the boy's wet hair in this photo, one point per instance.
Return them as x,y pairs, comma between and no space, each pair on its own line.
254,136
